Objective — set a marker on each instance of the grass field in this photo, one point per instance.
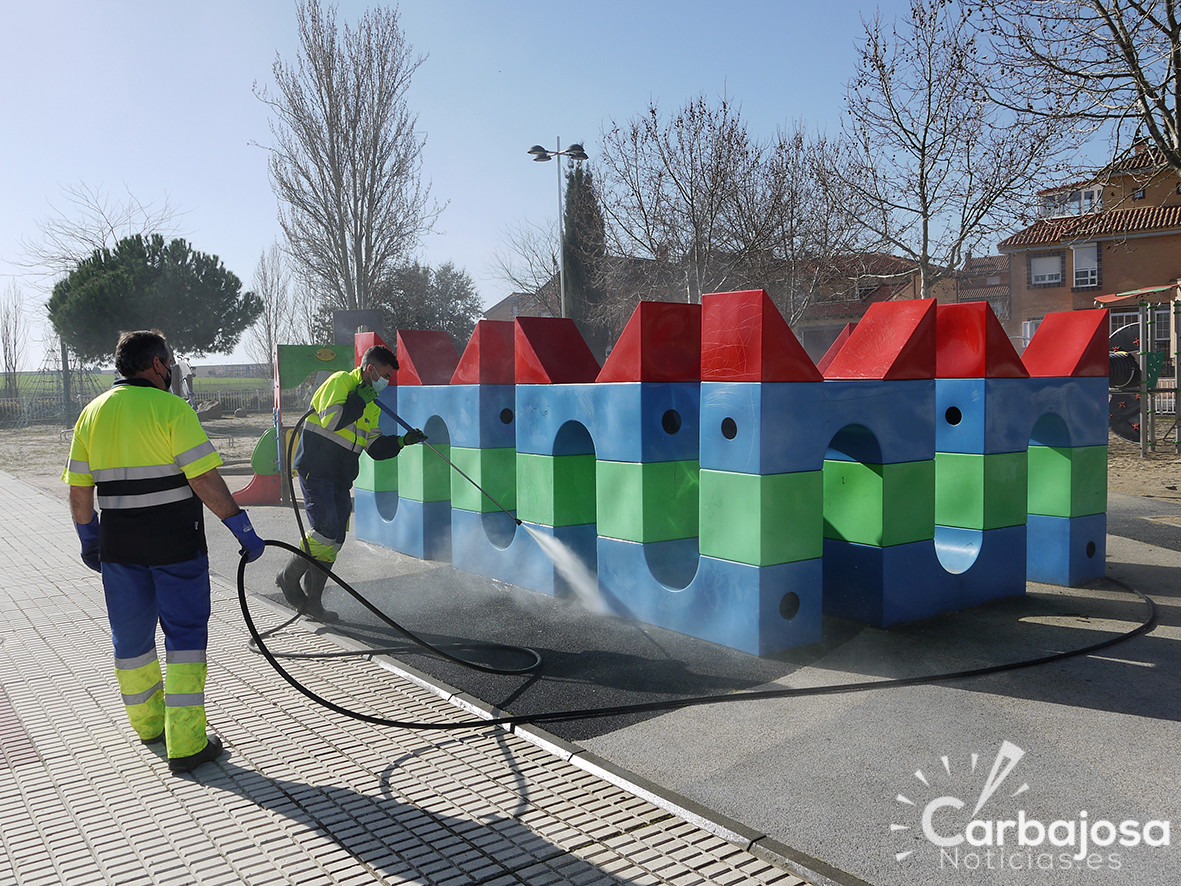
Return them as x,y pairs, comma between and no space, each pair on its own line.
33,383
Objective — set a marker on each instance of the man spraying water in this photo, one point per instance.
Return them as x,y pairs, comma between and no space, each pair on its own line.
342,424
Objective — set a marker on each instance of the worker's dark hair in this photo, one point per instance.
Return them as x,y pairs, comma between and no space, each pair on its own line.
379,354
136,350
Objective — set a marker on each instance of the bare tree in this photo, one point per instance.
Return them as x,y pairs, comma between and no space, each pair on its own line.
14,336
1099,63
346,159
275,325
91,219
528,263
821,245
690,193
942,165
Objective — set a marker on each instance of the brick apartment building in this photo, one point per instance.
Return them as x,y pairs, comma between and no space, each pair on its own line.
1115,237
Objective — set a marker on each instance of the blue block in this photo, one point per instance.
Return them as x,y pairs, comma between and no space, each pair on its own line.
1067,550
739,606
482,416
1078,407
389,399
647,421
631,422
901,583
982,416
433,408
784,427
494,546
373,513
989,415
420,529
543,409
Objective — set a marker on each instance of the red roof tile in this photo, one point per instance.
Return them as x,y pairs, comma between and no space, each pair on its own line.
1052,231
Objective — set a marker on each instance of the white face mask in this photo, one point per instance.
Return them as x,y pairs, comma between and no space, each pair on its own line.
380,384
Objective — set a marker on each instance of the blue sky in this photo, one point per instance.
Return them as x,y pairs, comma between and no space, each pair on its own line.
157,98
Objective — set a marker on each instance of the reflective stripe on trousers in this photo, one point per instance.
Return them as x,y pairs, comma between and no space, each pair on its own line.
143,692
184,702
321,547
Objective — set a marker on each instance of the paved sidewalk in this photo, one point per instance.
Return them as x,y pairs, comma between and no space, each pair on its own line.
304,796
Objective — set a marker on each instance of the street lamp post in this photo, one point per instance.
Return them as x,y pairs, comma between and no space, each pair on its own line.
540,154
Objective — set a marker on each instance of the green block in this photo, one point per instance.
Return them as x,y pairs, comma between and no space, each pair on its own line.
422,475
378,476
656,501
556,490
495,470
879,505
980,491
761,519
1066,481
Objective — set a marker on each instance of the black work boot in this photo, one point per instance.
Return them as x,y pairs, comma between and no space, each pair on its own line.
313,586
211,751
288,581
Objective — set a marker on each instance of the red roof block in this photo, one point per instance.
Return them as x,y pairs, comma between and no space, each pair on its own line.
835,347
971,343
1069,344
425,357
488,357
661,342
551,351
895,340
363,341
745,338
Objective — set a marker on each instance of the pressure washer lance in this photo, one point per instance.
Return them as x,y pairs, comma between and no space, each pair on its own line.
457,469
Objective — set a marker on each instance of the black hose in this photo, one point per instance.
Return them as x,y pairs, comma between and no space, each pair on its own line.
258,643
672,704
531,654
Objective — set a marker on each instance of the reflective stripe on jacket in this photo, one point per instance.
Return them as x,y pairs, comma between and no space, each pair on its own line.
332,441
139,445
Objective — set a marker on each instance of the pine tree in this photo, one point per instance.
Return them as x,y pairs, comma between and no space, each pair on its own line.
584,248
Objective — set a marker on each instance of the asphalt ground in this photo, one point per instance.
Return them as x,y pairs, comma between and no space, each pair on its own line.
822,774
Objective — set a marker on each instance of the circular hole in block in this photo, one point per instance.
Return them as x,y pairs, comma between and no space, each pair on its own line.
671,421
953,415
506,416
789,605
729,428
1091,549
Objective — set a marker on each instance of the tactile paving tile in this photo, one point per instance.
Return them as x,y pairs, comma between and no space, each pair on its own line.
304,795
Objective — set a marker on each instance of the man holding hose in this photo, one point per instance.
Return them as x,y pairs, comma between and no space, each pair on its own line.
342,425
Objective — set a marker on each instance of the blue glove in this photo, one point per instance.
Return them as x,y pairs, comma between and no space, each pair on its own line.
252,545
88,533
412,437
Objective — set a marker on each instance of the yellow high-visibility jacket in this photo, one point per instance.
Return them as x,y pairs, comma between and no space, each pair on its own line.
139,445
342,426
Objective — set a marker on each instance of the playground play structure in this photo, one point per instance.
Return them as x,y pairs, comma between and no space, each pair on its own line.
721,484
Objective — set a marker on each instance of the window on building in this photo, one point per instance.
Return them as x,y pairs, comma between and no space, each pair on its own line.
1045,270
1138,194
1072,202
1086,265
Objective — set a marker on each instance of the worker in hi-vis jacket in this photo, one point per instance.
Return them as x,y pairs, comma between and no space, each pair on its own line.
144,452
341,425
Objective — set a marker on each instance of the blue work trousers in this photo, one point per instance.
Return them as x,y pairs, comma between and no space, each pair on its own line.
175,595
